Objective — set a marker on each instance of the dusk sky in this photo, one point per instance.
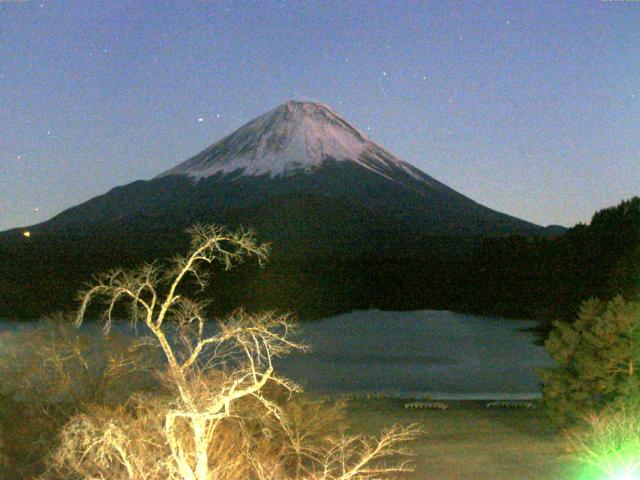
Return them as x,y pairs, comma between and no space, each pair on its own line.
529,107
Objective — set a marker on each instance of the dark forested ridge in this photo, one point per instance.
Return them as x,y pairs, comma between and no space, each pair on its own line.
548,278
509,275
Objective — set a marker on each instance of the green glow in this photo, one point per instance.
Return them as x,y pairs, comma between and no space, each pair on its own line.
619,468
626,475
607,472
623,466
614,464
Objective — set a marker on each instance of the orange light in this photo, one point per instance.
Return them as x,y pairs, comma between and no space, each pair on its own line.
26,233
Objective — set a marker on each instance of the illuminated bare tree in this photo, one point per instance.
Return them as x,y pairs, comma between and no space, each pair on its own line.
212,371
247,342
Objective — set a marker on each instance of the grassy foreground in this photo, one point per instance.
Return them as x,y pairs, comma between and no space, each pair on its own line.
471,442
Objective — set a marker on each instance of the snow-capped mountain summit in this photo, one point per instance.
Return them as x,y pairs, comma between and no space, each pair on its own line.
294,137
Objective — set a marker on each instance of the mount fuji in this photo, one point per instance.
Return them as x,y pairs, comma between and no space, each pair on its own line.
301,176
300,168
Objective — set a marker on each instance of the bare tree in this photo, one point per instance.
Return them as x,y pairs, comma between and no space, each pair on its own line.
212,372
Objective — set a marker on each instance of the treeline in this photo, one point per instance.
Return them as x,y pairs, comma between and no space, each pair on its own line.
549,277
512,276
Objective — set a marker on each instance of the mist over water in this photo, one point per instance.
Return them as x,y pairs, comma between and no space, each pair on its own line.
438,354
435,354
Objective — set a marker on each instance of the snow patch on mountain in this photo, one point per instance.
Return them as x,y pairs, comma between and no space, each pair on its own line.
296,136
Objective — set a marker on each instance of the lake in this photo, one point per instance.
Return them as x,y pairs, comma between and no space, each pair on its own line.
434,354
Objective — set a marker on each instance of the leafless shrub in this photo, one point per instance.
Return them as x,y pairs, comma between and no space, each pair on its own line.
57,363
363,458
52,372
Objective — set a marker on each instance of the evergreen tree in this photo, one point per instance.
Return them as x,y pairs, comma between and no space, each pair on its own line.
597,360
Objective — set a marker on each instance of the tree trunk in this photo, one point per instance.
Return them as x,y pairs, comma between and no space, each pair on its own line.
200,444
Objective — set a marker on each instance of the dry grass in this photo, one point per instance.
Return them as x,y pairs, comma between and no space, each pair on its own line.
469,441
